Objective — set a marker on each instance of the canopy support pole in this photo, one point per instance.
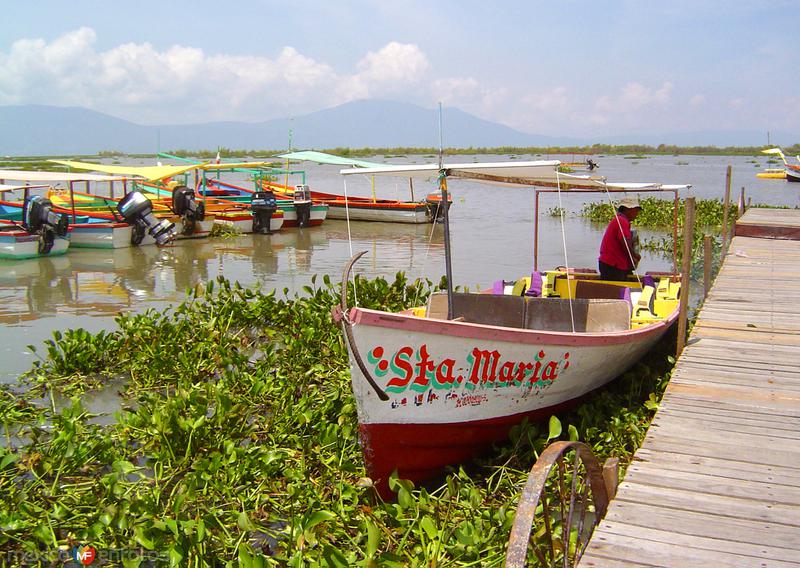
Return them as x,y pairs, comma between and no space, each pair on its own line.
447,252
676,205
72,200
536,232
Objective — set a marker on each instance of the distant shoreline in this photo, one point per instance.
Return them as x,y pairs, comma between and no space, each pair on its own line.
579,152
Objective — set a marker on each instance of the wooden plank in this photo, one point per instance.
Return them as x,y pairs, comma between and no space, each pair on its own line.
701,418
733,452
636,549
713,484
744,549
592,560
748,442
748,471
719,505
700,524
725,425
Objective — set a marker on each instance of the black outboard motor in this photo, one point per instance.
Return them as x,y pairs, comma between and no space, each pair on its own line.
186,206
38,218
302,205
263,206
137,211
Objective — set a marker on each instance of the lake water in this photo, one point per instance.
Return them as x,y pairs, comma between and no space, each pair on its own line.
492,235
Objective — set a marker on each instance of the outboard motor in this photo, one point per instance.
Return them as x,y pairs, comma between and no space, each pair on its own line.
263,205
302,205
38,218
186,206
137,211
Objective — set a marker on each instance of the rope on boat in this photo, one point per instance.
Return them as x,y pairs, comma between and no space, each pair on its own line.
348,328
564,242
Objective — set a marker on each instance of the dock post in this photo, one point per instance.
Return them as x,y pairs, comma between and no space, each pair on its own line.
611,476
686,270
742,203
707,258
725,210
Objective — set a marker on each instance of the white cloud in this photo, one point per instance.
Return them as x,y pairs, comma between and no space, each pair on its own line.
697,100
393,64
634,96
736,103
183,83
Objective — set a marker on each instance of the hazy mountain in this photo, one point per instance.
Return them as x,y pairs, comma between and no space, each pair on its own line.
48,130
45,130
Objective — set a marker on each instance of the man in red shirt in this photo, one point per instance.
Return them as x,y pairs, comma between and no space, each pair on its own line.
618,255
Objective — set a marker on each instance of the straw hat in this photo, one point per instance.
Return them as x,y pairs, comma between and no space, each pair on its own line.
630,202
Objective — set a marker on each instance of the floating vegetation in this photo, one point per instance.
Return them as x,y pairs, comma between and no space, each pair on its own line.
556,211
236,443
565,169
681,163
225,230
659,214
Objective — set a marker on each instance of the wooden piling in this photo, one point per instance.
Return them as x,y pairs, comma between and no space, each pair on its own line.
725,210
686,269
742,203
707,259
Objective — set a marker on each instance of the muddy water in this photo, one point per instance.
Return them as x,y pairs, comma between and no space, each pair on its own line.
492,232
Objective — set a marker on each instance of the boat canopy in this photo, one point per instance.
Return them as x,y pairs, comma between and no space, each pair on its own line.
534,173
323,158
233,165
150,173
4,187
39,177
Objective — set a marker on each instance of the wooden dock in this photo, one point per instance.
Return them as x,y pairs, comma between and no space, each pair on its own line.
717,479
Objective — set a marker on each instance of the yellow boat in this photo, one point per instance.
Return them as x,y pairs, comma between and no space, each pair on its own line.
772,173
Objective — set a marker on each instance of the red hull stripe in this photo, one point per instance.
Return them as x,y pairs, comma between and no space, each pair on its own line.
425,449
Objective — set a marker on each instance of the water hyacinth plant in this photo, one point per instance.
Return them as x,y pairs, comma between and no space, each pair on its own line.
236,443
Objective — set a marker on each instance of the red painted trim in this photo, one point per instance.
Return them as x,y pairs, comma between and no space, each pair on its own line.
362,316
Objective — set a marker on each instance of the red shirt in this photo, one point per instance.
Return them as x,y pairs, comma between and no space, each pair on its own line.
613,251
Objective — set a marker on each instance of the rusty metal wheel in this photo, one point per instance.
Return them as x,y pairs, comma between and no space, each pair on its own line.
564,497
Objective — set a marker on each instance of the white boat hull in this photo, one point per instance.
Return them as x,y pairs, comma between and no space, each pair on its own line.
416,215
18,245
101,235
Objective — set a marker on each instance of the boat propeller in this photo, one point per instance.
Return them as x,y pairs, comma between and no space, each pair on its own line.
38,218
137,211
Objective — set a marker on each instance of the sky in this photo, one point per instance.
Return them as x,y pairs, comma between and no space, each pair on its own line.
560,68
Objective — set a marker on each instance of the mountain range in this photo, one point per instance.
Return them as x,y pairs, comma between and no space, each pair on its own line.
31,130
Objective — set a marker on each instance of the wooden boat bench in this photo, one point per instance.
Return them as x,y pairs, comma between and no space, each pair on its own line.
545,314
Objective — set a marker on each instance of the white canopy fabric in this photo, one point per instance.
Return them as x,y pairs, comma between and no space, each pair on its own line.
38,177
4,187
323,158
534,173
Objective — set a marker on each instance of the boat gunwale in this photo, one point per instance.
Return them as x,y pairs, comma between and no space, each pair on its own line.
470,330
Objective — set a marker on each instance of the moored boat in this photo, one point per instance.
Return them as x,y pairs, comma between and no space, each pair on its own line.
37,231
772,173
353,208
438,384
